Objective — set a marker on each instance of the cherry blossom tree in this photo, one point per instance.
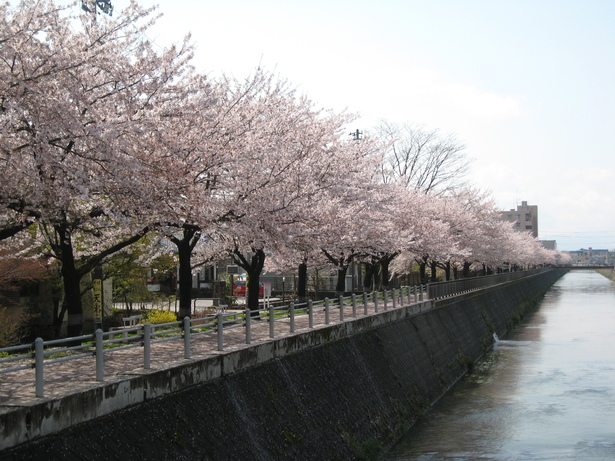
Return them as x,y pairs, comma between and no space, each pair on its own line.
386,232
105,139
469,233
189,192
435,227
290,159
81,104
471,216
349,213
421,161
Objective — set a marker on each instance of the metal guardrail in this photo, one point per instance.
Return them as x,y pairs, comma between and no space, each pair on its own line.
455,287
41,354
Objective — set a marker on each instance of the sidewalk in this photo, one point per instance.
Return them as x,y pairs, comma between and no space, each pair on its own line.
61,379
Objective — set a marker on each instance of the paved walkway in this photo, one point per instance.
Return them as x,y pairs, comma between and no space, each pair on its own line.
18,388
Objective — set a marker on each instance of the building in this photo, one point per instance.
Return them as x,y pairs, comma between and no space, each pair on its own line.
524,218
591,257
549,244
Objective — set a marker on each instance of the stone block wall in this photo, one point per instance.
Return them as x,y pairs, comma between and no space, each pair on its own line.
348,398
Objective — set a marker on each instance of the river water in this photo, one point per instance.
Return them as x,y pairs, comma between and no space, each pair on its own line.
545,392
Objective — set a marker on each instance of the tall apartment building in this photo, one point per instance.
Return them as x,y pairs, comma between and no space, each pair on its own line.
549,244
525,218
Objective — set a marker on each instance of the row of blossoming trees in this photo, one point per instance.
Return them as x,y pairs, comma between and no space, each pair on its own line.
105,140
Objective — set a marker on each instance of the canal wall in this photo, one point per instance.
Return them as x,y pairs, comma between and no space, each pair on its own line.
343,391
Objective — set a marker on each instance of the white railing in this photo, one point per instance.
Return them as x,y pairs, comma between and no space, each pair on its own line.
455,287
42,354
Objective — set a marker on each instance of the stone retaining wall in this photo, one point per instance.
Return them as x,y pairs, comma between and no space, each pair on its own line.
345,391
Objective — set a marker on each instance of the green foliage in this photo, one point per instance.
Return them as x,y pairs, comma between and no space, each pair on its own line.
33,324
134,268
9,326
158,316
23,327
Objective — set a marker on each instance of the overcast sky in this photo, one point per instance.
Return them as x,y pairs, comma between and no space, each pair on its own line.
527,86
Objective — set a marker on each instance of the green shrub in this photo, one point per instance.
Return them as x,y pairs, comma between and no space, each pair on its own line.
158,316
9,326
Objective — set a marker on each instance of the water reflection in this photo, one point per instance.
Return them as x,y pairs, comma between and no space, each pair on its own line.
546,392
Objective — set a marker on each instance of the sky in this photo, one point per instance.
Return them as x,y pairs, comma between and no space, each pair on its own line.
527,86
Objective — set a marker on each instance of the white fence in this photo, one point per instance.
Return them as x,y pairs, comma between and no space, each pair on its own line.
42,354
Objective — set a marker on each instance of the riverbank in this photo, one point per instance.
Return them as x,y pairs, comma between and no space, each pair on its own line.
351,397
542,393
608,273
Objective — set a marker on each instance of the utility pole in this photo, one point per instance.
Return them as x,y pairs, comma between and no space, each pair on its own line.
357,135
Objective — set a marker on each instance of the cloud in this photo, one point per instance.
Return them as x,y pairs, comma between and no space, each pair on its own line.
434,90
417,94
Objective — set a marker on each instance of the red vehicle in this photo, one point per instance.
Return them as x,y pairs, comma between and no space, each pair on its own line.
239,289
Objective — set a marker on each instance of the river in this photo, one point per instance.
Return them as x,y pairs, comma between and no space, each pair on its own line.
545,392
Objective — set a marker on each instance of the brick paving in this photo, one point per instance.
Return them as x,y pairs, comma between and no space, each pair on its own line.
18,388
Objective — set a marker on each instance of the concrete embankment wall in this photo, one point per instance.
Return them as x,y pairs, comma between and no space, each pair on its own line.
344,391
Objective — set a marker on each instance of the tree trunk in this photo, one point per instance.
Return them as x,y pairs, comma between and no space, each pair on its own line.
302,283
71,279
342,263
185,279
340,288
254,272
423,271
58,313
61,244
185,245
368,280
434,271
377,277
466,269
384,273
254,268
447,270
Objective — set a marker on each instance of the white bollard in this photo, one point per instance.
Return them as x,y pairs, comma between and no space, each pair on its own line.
187,337
248,326
39,362
100,356
147,345
271,322
220,327
326,311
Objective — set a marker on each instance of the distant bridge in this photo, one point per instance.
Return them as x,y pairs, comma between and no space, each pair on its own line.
584,267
